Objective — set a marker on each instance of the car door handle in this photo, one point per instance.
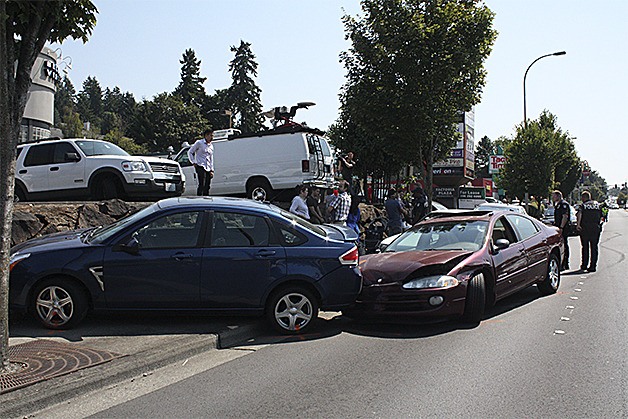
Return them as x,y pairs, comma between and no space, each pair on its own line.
266,253
23,171
181,256
54,169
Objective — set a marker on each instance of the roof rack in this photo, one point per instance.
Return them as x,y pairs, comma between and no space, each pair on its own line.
40,140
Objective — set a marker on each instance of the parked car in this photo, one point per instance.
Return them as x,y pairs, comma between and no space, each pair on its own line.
548,218
261,165
501,207
82,168
457,263
224,255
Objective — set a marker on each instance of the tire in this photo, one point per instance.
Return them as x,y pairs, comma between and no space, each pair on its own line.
292,310
59,304
19,195
106,188
552,279
259,190
476,299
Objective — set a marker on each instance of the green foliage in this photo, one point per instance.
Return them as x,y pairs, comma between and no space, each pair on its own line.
484,150
412,68
115,136
166,121
244,94
190,88
595,184
121,104
541,158
213,109
89,103
73,126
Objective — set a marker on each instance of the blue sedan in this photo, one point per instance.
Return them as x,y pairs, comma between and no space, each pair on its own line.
216,254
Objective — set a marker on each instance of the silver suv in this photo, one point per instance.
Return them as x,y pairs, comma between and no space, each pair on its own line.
82,168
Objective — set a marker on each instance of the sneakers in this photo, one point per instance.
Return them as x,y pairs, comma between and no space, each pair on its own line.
591,269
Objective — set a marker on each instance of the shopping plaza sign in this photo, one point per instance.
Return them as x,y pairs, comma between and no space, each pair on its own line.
496,163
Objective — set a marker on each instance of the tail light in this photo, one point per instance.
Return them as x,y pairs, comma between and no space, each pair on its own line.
305,166
350,257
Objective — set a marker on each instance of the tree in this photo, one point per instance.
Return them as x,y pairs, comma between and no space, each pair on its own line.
122,105
25,26
89,102
484,150
213,109
127,144
244,94
412,68
64,101
190,88
541,157
166,121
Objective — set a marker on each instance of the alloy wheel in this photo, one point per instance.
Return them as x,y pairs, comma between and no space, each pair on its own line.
54,306
293,311
554,273
259,194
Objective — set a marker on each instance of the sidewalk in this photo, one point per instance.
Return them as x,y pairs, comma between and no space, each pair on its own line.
121,346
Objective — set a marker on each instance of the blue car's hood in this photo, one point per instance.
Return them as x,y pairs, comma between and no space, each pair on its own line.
54,241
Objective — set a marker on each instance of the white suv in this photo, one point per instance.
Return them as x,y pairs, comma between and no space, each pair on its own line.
83,168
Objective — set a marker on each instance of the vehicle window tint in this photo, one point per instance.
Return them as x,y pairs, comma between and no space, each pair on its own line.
100,148
503,230
19,151
289,236
60,150
183,159
171,231
239,230
524,227
39,155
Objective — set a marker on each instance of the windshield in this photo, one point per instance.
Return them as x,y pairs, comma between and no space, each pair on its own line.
99,235
303,223
452,235
100,148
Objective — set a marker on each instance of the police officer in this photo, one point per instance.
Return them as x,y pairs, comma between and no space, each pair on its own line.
590,226
561,220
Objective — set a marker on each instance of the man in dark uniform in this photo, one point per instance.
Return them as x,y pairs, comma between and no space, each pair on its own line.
590,226
561,220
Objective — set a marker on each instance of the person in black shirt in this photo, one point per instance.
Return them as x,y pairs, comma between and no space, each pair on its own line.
589,225
561,220
347,164
314,206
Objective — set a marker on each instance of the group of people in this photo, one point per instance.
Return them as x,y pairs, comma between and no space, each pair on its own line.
398,213
589,218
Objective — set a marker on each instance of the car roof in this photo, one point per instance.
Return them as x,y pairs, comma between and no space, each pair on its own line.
56,140
465,215
217,201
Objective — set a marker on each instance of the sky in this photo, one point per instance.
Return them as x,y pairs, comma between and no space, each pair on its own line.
136,45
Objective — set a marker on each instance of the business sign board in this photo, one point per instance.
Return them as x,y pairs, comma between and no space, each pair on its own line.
448,171
496,163
445,192
450,162
470,197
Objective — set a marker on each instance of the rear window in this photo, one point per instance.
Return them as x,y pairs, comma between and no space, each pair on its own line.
296,220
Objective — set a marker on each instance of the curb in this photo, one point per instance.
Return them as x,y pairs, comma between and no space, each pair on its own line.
41,395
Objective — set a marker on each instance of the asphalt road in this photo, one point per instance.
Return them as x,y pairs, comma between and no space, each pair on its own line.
558,356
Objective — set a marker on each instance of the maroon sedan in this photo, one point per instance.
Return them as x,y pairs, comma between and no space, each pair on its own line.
458,262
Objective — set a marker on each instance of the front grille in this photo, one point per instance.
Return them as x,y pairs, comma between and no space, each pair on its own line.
164,168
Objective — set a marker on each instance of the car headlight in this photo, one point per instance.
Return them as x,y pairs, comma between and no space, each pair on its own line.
134,166
17,258
436,281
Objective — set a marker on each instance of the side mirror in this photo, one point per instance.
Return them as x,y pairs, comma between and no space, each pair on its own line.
501,244
132,247
72,157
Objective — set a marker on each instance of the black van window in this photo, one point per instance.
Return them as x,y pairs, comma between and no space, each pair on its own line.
39,155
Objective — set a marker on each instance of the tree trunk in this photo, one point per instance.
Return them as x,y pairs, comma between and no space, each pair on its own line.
430,174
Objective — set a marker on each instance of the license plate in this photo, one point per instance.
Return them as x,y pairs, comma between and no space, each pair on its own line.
170,187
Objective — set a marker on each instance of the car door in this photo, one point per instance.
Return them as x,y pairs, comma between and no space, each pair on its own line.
36,170
534,245
240,262
66,172
165,271
191,180
509,263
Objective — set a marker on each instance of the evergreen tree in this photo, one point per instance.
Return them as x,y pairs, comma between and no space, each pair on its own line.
213,109
65,97
484,150
122,105
244,94
89,103
190,88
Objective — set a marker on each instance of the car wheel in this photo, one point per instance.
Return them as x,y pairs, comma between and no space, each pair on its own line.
109,189
19,195
292,310
476,299
552,279
259,190
59,304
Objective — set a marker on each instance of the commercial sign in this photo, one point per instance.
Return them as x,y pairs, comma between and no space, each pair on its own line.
450,162
466,192
448,171
496,163
445,192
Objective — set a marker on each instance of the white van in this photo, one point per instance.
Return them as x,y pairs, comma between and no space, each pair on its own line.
261,165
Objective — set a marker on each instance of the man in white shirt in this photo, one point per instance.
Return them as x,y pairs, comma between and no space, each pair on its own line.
299,206
201,155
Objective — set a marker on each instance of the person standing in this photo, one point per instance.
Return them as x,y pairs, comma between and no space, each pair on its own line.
346,168
589,224
419,204
201,155
395,212
561,220
313,205
299,206
339,207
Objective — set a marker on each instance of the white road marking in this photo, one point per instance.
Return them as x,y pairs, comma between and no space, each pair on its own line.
559,332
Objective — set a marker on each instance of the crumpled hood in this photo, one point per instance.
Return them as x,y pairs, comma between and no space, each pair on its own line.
396,266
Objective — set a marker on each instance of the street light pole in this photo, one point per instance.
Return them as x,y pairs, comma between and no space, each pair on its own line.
525,117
